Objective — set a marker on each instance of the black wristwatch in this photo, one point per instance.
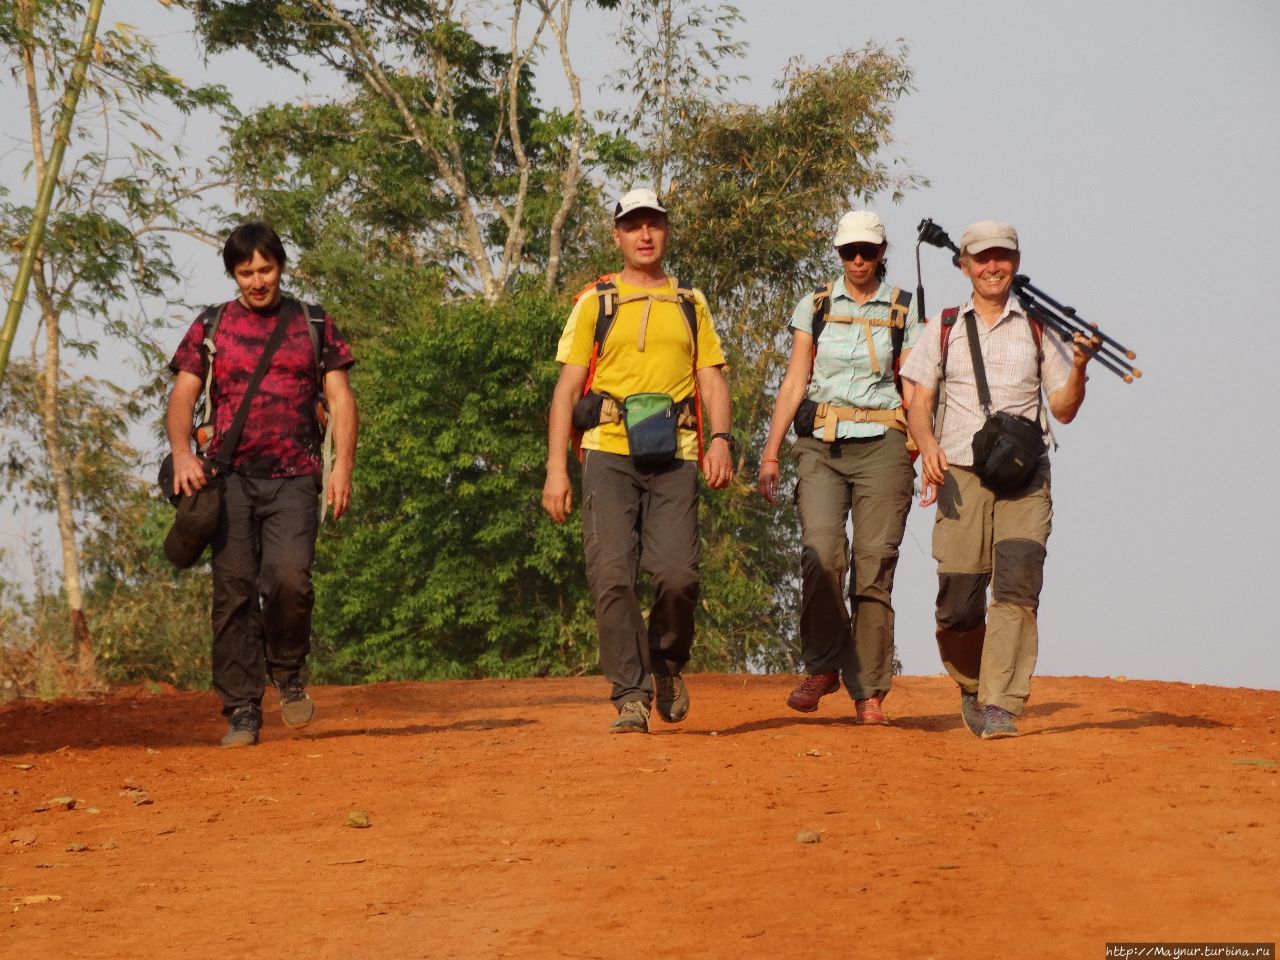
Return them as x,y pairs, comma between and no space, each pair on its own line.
730,439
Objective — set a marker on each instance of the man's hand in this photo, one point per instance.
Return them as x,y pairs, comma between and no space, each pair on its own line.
1083,348
338,496
767,480
188,473
717,464
934,466
557,495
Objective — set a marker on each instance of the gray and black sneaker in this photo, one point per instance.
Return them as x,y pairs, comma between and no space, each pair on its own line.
296,708
971,713
242,730
633,717
673,698
997,723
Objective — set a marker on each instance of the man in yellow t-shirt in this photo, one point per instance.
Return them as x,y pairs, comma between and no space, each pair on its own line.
640,513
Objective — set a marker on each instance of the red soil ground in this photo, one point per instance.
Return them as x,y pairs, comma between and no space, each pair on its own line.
505,822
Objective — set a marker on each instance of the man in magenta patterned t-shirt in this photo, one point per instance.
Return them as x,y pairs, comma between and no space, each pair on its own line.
265,544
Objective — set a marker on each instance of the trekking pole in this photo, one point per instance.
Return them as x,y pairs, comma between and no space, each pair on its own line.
1062,319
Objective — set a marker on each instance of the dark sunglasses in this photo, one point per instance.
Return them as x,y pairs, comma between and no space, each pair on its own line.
867,251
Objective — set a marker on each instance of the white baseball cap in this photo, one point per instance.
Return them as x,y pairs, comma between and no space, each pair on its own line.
641,199
859,226
987,235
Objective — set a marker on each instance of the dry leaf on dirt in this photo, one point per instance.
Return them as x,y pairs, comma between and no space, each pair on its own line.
32,900
358,819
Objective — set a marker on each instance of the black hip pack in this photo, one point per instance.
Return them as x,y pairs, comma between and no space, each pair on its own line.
1007,448
1007,451
806,413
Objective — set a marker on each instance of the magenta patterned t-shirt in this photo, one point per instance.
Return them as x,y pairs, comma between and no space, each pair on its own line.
281,436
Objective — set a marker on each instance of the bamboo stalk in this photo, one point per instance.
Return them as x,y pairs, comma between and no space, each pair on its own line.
44,198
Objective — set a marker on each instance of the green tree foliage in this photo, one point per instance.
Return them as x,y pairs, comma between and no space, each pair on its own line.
439,149
675,54
446,566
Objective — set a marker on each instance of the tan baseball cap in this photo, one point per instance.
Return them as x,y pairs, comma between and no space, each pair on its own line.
987,235
641,199
859,226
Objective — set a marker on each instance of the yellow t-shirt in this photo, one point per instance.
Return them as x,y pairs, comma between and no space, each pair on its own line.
661,362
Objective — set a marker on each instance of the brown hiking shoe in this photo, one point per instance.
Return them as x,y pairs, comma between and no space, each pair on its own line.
673,698
870,711
813,688
633,717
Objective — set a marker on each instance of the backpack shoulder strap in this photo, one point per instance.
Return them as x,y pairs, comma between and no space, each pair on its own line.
821,307
210,318
607,297
315,327
949,316
687,295
899,306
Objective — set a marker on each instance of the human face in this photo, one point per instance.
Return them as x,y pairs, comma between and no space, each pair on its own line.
641,236
991,272
860,262
259,281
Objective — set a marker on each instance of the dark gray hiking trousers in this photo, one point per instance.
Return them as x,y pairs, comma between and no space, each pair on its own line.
262,593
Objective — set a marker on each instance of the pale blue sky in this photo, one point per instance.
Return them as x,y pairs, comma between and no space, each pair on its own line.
1134,146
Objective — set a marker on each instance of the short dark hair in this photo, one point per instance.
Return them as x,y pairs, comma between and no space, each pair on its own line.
248,239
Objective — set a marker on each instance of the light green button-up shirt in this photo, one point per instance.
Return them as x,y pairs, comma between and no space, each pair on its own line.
842,372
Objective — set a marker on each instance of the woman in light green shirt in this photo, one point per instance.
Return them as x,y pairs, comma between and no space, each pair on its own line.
851,458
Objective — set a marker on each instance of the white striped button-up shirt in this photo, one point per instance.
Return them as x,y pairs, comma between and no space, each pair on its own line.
1009,357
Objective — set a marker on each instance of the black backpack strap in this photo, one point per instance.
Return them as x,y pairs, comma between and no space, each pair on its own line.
898,312
315,327
607,297
821,307
689,307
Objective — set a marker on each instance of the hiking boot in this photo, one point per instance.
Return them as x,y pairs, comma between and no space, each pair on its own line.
971,713
869,711
632,718
813,688
243,727
296,708
997,723
673,698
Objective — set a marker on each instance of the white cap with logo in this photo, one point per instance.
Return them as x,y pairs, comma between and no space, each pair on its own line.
988,235
859,226
641,199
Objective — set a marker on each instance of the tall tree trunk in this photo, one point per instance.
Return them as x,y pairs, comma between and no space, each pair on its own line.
33,267
60,471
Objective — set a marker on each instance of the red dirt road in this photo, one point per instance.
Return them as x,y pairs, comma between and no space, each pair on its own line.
505,822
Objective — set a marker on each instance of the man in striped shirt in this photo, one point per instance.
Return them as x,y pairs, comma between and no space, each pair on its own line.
981,538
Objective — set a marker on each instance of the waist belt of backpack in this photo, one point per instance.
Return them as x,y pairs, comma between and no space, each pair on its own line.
686,412
829,415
